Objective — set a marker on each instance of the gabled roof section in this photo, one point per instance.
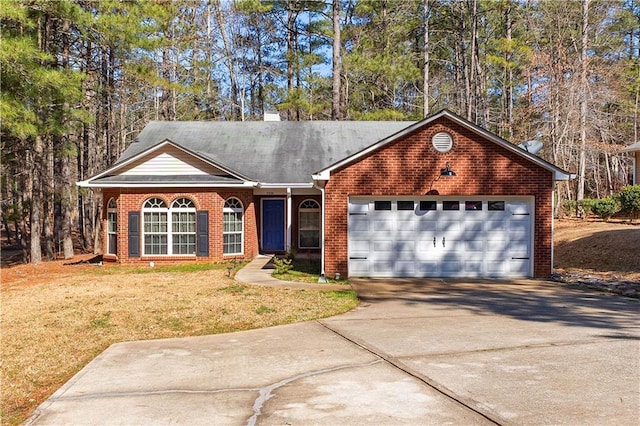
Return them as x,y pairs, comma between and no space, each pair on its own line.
284,152
167,164
559,174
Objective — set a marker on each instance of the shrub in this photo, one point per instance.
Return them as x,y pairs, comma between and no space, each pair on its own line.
604,208
629,198
585,207
568,207
282,265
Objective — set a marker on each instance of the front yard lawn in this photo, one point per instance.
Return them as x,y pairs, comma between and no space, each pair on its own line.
54,321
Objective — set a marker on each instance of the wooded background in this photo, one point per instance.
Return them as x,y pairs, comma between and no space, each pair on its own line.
79,80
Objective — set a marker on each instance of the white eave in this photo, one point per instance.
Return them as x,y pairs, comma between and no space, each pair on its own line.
632,148
269,185
90,184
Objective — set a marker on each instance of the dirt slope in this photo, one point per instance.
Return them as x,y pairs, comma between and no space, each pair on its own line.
598,248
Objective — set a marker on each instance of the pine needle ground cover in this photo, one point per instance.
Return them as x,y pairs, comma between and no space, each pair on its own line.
606,249
55,319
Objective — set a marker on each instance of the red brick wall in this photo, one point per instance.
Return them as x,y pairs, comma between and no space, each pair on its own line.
132,199
410,165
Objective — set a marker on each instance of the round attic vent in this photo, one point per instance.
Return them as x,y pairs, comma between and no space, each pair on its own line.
442,141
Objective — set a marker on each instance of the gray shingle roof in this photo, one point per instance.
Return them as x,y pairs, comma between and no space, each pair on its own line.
269,152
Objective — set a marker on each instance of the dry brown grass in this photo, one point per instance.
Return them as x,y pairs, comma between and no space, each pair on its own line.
55,319
598,248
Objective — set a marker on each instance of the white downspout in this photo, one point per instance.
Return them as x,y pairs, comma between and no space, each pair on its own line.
322,226
289,215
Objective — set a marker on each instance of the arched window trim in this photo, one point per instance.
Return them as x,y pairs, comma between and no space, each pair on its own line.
232,227
309,207
112,227
169,231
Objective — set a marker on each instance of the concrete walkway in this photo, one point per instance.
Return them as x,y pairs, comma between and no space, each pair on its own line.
415,352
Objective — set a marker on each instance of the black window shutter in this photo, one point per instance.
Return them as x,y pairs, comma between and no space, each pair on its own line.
202,234
134,234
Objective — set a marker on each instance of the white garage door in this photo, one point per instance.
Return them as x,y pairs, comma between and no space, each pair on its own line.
441,237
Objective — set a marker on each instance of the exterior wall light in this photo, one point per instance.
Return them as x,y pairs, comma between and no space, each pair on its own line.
446,171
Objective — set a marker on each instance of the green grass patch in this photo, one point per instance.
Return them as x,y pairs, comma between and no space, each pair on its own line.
305,271
177,268
102,322
234,288
264,310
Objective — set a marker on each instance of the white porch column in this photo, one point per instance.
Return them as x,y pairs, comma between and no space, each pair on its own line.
289,216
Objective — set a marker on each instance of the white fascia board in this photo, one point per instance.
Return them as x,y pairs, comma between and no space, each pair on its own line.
564,176
88,184
323,175
303,185
632,148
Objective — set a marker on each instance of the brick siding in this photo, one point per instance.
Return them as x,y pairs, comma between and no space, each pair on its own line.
132,199
410,165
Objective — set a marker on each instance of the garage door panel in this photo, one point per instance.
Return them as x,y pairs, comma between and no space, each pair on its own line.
359,246
382,246
518,267
473,243
406,225
497,246
493,226
450,227
383,267
451,267
473,268
495,268
405,268
359,267
428,269
474,246
359,224
382,225
428,226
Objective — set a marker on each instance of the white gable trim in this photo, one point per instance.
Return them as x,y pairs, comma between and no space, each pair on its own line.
559,174
164,164
120,166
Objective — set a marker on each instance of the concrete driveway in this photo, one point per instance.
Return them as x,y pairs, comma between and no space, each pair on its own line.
415,352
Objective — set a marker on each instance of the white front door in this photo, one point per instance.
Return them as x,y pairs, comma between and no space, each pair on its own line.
440,236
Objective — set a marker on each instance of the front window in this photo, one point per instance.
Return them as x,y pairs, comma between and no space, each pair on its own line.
169,231
232,222
155,227
112,227
183,226
309,224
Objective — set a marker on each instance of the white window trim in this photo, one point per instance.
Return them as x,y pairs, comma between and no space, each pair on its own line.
169,233
308,210
240,210
112,209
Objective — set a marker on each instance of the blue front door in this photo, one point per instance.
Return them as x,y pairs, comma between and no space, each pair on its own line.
273,225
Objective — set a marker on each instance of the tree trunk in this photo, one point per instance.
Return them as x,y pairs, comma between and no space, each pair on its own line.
426,53
229,55
35,221
335,99
583,102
